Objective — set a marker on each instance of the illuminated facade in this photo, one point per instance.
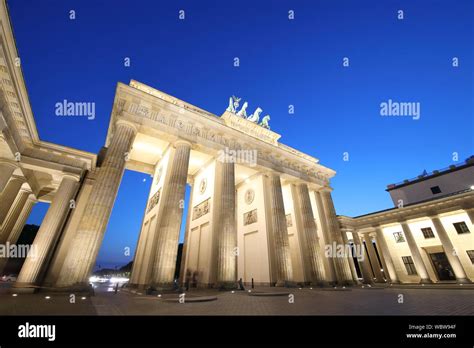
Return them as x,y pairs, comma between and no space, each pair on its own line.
259,211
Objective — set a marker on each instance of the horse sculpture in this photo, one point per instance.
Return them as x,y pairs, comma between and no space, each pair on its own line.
243,111
264,122
255,116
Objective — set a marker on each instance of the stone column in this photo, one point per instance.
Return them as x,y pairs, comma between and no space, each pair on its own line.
8,196
383,249
373,259
167,233
355,278
48,234
310,240
13,214
451,254
415,253
187,232
90,232
7,168
226,225
281,242
364,262
326,233
341,264
12,235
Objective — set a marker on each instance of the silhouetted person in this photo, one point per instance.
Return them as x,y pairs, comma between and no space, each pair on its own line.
187,279
195,279
241,284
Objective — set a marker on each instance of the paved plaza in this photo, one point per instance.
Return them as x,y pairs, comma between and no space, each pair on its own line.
357,301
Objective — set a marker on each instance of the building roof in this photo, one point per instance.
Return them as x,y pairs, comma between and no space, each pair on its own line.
435,173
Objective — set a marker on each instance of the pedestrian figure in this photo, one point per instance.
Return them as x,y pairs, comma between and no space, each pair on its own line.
187,279
241,285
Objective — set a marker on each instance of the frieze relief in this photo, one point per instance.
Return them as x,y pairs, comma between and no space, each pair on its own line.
154,200
201,209
250,217
205,133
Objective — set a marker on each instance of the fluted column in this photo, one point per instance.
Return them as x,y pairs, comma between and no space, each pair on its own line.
341,264
355,278
48,234
450,251
226,225
310,240
11,235
7,168
187,232
13,214
373,259
8,196
364,262
324,227
281,242
383,249
415,253
90,232
167,234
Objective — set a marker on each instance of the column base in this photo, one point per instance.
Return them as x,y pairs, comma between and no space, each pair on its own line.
227,286
286,284
79,287
320,284
24,288
346,283
426,281
463,281
381,281
162,287
367,283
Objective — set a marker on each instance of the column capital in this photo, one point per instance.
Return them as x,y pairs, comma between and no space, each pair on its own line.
127,124
313,187
26,190
367,235
431,214
72,176
32,197
270,173
182,142
20,178
293,182
325,189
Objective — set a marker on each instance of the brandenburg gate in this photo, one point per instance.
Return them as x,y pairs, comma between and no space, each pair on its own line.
259,210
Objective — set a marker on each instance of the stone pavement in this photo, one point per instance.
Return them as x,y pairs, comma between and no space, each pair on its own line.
375,301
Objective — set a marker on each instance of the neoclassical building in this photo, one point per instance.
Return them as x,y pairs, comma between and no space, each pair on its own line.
428,237
259,210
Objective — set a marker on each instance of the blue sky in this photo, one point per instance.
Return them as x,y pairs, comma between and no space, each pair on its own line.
282,62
